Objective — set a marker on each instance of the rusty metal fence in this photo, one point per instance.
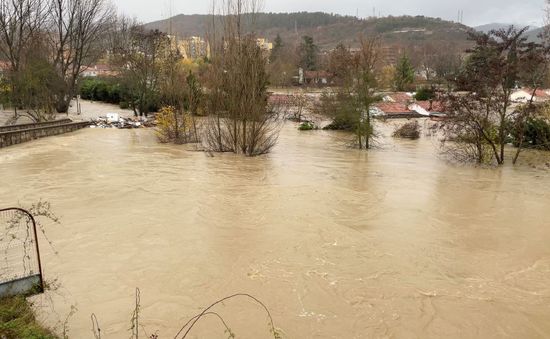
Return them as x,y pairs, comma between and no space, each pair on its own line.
20,266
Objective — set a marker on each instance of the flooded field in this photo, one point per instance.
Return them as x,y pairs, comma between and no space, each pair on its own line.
338,243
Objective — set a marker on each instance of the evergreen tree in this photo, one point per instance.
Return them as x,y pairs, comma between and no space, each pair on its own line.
277,48
404,74
308,54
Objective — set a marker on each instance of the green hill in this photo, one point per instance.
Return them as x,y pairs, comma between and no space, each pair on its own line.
328,29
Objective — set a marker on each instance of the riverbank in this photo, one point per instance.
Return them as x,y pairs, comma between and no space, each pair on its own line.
18,320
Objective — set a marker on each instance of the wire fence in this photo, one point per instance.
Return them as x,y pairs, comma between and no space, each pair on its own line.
19,252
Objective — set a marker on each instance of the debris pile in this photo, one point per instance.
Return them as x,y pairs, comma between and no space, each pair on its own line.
113,120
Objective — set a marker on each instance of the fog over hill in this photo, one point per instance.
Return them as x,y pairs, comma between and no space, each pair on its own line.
496,26
533,33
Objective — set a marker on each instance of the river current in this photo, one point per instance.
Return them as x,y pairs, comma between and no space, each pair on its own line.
338,243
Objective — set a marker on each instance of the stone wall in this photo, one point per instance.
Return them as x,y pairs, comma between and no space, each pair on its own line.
10,128
15,137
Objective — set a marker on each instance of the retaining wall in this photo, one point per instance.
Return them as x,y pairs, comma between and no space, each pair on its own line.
11,128
14,137
22,286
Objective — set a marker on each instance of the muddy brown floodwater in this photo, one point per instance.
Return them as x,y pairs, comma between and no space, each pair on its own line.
338,243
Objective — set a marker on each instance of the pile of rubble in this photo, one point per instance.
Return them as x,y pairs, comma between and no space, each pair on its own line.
113,120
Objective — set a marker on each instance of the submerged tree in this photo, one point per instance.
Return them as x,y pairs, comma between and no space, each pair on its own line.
483,116
241,120
350,106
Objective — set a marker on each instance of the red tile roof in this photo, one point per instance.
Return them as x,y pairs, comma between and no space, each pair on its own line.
400,97
437,106
539,93
393,108
280,99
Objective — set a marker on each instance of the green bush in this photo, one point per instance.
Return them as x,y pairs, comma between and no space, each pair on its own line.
536,134
307,126
424,94
104,90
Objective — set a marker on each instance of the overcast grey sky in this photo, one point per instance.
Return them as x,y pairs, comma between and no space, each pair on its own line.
476,12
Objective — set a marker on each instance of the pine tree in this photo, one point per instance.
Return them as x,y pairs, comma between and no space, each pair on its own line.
277,48
404,74
308,54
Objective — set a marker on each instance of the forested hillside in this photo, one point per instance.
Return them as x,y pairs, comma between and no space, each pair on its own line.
328,29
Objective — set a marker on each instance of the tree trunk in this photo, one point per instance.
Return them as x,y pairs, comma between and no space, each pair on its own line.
62,105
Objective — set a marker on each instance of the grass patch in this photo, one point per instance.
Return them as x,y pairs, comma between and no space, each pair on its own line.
17,320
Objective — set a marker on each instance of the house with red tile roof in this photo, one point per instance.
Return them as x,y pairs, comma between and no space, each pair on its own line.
99,70
403,105
524,95
399,97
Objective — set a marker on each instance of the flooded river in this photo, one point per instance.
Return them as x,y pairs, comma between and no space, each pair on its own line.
338,243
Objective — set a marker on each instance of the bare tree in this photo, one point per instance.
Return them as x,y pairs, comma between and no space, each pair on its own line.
76,28
21,22
533,72
350,105
141,56
365,68
242,121
482,116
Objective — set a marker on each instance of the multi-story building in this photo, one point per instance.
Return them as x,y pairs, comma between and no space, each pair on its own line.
194,48
264,44
389,55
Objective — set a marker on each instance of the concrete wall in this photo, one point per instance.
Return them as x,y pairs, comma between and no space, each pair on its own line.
22,286
19,136
10,128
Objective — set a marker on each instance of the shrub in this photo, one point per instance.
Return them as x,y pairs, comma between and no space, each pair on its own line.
175,126
307,126
104,90
536,134
410,130
424,94
340,124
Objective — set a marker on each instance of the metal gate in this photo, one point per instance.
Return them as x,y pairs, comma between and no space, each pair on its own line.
20,266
